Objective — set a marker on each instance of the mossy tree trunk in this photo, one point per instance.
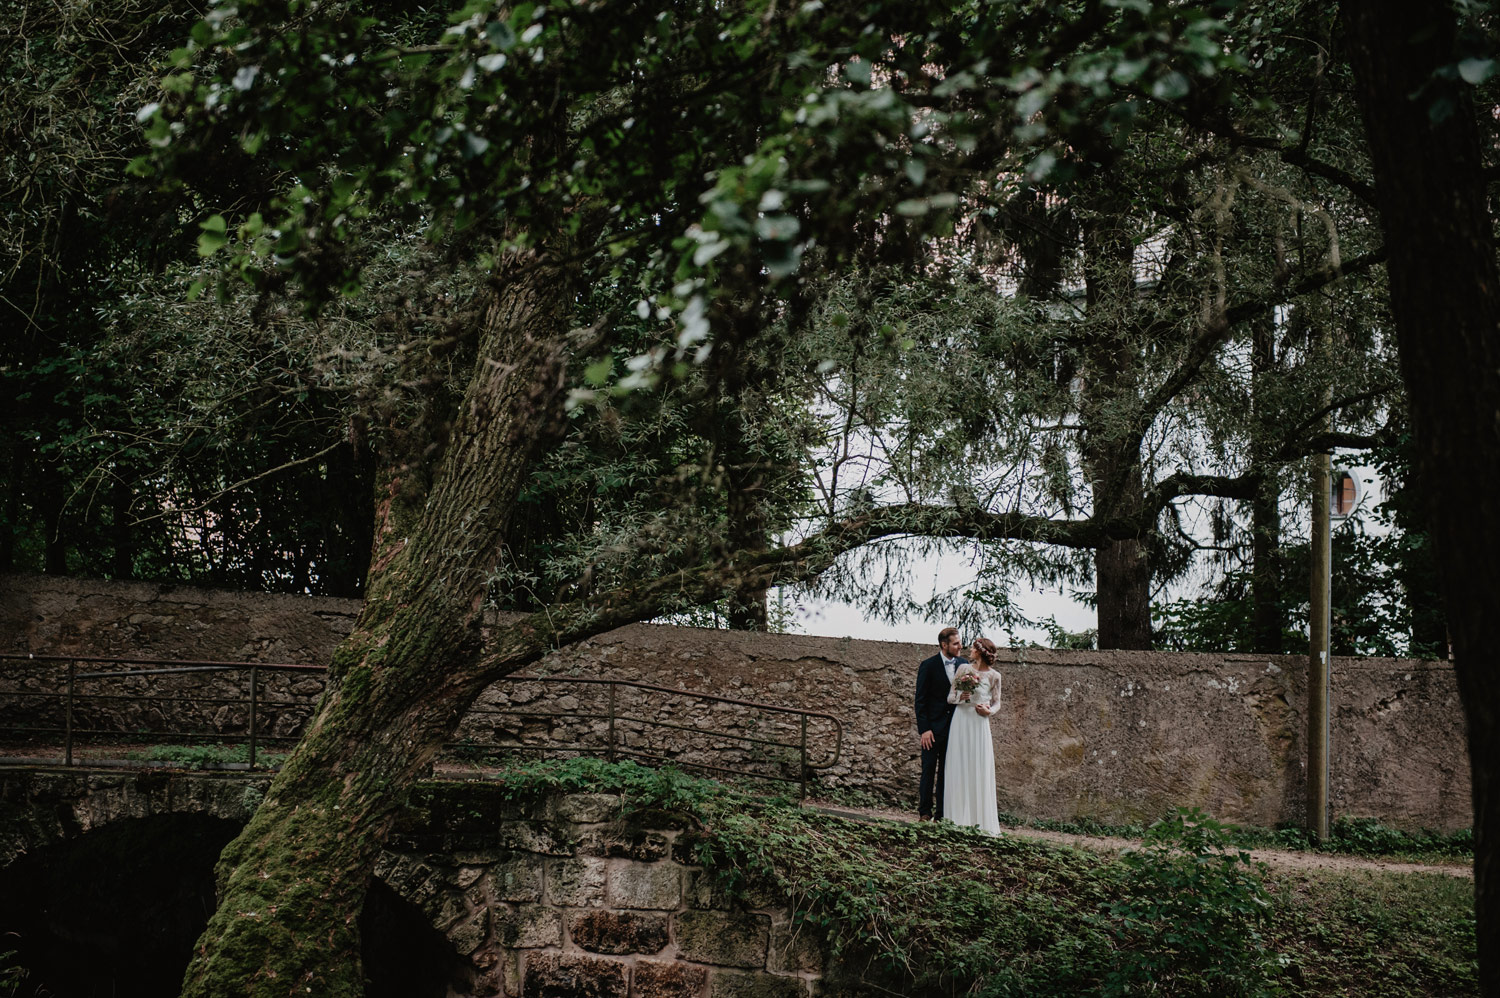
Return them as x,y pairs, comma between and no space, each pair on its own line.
1431,175
292,885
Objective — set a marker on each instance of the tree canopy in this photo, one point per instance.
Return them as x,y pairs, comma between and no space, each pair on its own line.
609,311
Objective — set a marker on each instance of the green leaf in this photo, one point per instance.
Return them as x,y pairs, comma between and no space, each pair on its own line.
501,35
214,223
210,243
1476,71
1171,86
858,71
597,373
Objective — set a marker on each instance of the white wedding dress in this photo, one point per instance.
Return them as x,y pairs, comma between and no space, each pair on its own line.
969,766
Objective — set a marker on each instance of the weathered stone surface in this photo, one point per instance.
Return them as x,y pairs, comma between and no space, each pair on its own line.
618,932
1109,734
588,808
660,979
627,842
652,886
704,890
794,949
577,883
542,837
527,926
471,933
557,975
728,984
725,939
518,879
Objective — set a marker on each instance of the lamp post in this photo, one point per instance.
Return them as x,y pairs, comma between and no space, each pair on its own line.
1334,496
1317,665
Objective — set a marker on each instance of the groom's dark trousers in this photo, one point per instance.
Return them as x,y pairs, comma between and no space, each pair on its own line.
934,713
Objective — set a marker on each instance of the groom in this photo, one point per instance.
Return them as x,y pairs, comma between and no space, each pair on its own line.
934,712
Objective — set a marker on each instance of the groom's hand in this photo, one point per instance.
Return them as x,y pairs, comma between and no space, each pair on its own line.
927,740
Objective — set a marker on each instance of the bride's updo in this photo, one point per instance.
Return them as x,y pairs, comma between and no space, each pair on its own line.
984,652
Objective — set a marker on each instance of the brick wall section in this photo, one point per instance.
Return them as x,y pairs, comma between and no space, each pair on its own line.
1116,736
563,897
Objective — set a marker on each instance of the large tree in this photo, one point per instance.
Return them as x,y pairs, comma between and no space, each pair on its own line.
1416,66
719,142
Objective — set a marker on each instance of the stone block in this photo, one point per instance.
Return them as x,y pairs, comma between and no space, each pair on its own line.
795,949
651,886
705,890
731,985
625,842
470,934
576,883
546,838
588,808
527,926
661,979
446,910
725,939
618,932
559,975
516,880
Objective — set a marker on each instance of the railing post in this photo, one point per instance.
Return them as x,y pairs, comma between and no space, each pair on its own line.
253,703
68,724
802,763
612,688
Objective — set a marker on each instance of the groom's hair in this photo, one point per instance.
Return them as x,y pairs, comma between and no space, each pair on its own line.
946,633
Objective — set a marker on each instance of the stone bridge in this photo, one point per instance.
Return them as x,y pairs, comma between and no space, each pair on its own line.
106,880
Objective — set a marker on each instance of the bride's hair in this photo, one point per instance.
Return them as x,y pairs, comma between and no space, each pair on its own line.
984,650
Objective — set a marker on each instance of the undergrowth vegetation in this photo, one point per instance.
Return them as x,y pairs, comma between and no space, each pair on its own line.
935,909
1348,836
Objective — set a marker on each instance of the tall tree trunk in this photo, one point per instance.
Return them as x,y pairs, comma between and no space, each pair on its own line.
1266,625
1111,451
292,885
122,554
1445,296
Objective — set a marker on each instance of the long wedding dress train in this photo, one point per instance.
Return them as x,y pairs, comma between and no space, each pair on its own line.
969,767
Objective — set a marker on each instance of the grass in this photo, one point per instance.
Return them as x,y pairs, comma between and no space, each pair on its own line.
1349,836
941,910
207,756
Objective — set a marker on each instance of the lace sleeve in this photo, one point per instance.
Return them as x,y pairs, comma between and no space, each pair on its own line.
995,684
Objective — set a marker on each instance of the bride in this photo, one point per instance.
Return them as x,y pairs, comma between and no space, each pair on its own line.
969,768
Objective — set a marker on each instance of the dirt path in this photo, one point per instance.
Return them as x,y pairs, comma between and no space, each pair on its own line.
1276,859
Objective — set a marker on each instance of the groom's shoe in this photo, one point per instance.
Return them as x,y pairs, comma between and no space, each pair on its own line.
924,817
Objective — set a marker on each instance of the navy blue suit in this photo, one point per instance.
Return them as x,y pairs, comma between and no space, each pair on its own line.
934,713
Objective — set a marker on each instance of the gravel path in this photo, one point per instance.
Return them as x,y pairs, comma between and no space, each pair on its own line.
1276,859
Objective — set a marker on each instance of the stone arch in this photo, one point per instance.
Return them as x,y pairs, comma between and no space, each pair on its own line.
113,910
42,807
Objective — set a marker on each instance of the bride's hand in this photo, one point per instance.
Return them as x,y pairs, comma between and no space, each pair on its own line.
981,710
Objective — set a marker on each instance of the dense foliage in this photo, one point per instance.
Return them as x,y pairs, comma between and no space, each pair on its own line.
944,910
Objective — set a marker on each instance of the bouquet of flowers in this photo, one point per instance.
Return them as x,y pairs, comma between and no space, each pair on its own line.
966,684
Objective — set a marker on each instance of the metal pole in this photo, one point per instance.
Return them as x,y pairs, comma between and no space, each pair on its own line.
802,763
253,702
612,688
68,724
1318,663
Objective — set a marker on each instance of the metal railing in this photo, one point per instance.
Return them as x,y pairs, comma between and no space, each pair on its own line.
82,701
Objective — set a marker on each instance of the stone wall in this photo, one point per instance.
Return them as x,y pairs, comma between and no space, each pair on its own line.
1109,735
563,897
558,896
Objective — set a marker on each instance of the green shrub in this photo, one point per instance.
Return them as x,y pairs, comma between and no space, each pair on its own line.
1190,915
